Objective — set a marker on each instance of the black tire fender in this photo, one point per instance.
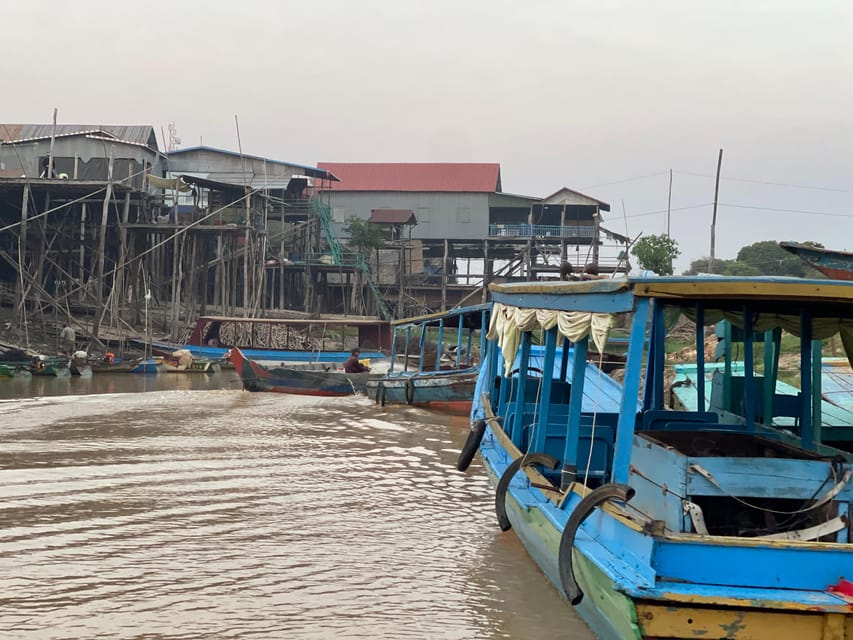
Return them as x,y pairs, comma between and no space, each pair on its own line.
503,484
567,541
472,443
410,391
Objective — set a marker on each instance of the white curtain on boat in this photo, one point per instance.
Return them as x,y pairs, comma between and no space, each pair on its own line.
508,323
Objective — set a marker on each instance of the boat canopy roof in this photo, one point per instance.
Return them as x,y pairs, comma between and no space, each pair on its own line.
347,320
585,307
616,294
471,317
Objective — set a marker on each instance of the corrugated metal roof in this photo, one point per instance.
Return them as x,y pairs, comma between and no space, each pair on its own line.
134,134
415,176
564,196
392,216
313,172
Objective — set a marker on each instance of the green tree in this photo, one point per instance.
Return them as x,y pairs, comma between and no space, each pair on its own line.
768,258
364,238
706,265
656,253
740,268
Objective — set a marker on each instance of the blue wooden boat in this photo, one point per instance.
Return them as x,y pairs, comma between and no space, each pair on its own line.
833,264
308,379
282,340
440,372
660,523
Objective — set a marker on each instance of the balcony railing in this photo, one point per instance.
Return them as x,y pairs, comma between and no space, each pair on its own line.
539,231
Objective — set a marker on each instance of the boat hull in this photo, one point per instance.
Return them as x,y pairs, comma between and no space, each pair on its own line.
444,391
263,355
615,564
837,265
297,381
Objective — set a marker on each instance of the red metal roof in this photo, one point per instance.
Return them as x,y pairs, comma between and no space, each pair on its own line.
415,176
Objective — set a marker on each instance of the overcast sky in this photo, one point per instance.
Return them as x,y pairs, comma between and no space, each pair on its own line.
602,97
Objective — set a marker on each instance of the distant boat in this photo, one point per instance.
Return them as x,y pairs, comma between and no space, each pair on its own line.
323,339
837,265
136,365
196,366
307,379
51,366
441,371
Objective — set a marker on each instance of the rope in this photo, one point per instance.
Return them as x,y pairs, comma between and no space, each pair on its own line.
594,417
829,495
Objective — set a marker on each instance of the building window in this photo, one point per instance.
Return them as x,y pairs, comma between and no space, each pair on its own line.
463,214
338,214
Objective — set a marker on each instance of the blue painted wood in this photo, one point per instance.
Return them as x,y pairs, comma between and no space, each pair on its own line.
817,418
422,347
717,563
592,303
806,423
538,443
437,366
748,370
518,402
763,477
657,355
659,477
627,419
570,453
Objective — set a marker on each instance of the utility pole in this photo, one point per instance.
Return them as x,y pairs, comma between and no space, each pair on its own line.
714,215
668,203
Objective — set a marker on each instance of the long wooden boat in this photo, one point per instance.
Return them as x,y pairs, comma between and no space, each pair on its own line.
833,264
660,523
434,360
326,339
196,366
146,366
307,379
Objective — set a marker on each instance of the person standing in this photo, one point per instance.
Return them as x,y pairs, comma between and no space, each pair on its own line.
67,341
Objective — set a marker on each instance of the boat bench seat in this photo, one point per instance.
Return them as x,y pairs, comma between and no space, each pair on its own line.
602,441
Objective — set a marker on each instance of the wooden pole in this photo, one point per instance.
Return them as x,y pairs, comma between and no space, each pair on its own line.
714,214
444,274
50,151
20,293
102,241
487,270
668,203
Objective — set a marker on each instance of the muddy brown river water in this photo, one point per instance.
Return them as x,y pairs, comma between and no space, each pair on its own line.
191,509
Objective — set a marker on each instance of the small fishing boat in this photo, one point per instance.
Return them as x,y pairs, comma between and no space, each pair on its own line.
833,264
434,360
131,365
661,523
6,371
51,366
196,366
310,379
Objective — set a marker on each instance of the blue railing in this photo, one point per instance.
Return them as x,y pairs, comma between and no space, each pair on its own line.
540,231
